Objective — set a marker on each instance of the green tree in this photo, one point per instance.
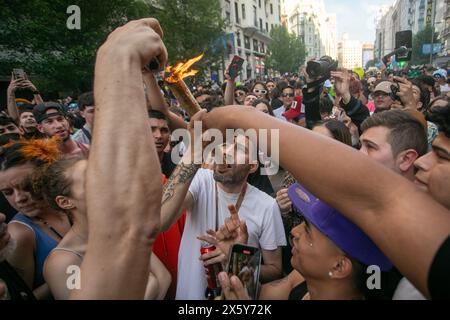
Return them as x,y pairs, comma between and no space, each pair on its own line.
34,36
286,52
419,39
192,27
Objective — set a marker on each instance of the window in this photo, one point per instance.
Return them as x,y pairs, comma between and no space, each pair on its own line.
260,24
255,45
271,8
236,12
243,11
228,17
247,42
263,48
255,17
238,37
259,4
267,27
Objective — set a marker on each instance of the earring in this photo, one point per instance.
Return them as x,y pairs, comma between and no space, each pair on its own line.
330,274
310,244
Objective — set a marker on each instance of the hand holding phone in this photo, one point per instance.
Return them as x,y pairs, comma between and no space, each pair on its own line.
235,67
19,74
245,263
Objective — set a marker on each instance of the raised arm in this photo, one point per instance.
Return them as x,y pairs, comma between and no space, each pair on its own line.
176,198
123,185
11,98
156,101
229,89
390,209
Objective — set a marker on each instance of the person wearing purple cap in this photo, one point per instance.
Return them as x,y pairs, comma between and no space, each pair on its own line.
330,257
411,226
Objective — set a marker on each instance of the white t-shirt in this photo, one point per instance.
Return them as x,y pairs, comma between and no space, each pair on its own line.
258,209
279,113
406,291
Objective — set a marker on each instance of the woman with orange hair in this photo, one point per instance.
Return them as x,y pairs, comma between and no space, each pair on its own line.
36,228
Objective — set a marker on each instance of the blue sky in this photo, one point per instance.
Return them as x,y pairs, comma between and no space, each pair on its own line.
356,17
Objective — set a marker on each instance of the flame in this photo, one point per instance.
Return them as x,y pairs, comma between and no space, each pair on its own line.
181,70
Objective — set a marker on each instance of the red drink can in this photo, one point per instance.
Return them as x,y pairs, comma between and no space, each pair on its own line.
213,269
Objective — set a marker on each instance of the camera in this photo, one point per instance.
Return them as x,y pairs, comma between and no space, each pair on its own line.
395,88
320,69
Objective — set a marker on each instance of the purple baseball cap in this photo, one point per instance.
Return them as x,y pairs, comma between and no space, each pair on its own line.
344,233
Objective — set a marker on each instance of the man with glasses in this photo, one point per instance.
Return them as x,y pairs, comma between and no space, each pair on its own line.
287,96
382,96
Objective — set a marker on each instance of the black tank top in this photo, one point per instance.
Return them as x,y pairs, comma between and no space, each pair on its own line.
298,292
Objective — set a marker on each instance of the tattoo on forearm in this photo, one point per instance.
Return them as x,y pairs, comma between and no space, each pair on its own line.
182,174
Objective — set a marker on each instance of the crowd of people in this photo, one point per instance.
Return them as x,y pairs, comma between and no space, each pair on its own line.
92,184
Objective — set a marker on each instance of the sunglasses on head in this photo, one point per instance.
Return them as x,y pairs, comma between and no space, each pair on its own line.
260,91
287,95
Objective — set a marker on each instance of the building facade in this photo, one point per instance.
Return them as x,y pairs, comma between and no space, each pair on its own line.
350,53
412,15
317,29
249,23
367,53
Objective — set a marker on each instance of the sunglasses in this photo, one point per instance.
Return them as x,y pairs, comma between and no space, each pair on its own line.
380,94
260,91
287,95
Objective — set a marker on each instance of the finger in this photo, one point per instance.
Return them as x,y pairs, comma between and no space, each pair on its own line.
154,24
285,203
210,255
244,231
233,213
224,281
208,239
238,288
231,225
401,80
225,233
221,258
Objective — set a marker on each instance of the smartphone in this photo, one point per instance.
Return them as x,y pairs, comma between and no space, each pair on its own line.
245,262
19,74
235,66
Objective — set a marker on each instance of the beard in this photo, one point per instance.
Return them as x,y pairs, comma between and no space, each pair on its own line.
8,250
234,177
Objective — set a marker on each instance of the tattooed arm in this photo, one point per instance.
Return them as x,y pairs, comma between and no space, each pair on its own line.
176,198
280,289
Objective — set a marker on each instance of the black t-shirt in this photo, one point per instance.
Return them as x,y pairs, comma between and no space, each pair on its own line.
17,288
6,208
167,166
261,182
276,103
439,275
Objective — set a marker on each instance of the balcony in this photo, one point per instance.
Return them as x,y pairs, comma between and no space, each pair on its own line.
253,31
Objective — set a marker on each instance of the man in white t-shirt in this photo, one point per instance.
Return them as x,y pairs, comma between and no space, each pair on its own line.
226,184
